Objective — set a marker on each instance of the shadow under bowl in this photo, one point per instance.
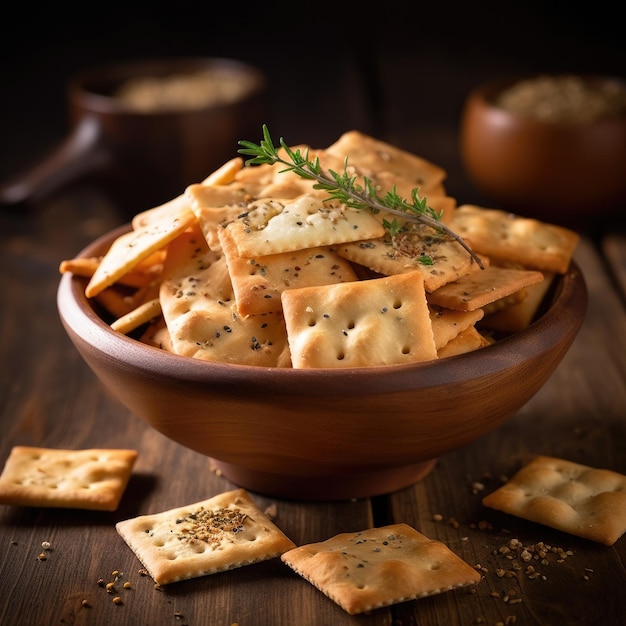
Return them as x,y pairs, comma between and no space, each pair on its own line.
323,434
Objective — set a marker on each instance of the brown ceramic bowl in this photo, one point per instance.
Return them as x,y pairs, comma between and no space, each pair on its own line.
324,434
559,171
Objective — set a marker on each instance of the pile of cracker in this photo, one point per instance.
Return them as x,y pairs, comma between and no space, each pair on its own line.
255,266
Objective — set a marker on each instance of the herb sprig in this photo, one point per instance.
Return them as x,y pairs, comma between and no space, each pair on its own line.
343,187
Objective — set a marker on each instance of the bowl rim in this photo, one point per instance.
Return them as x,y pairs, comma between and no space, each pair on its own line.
562,320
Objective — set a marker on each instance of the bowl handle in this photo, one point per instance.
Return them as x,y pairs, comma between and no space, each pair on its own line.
82,152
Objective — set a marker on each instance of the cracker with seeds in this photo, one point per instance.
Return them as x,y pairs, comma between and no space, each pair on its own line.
519,314
258,282
222,533
449,323
570,497
199,308
509,237
374,322
386,165
223,175
136,245
404,253
92,479
272,226
378,567
478,289
142,274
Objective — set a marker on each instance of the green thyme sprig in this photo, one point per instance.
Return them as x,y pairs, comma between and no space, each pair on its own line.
343,187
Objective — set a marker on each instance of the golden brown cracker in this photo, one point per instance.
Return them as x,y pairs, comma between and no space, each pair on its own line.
221,533
199,309
467,340
480,288
358,324
518,315
568,496
407,252
385,164
79,479
134,246
448,323
272,226
143,314
258,282
366,570
501,235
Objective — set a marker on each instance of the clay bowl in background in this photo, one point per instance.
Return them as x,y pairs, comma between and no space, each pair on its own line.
557,171
142,156
323,434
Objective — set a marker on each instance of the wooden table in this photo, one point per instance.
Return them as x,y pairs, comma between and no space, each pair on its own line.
50,398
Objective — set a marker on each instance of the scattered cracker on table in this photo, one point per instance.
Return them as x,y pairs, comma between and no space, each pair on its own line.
222,533
80,479
570,497
378,567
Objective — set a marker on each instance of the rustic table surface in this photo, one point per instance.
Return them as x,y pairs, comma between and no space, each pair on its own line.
50,398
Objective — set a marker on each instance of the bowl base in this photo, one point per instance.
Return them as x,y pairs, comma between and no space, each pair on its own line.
318,488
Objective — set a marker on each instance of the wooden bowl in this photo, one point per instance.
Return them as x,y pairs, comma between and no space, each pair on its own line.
324,434
559,171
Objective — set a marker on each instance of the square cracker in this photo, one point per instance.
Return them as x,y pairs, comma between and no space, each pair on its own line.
518,315
257,283
135,246
450,260
449,323
378,567
76,479
467,340
222,533
570,497
198,306
271,226
480,288
373,322
386,165
509,237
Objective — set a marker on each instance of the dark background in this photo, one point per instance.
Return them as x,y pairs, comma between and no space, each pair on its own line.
419,61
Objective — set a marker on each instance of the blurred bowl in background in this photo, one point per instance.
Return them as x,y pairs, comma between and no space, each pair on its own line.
148,128
547,146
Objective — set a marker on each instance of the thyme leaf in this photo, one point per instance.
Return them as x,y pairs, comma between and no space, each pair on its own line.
343,187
